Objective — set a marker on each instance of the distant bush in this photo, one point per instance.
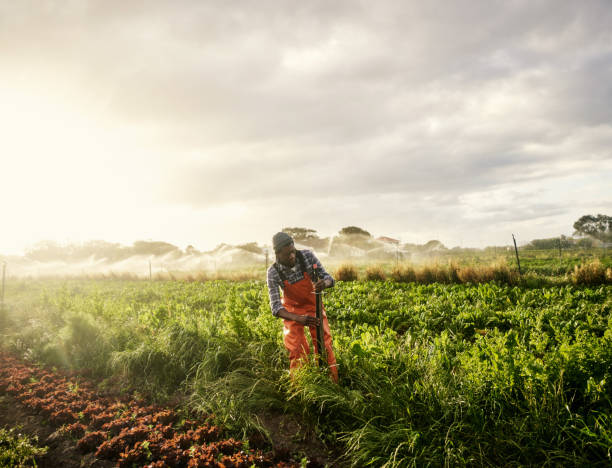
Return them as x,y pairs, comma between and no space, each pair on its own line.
346,272
403,274
453,274
591,273
375,273
504,274
427,274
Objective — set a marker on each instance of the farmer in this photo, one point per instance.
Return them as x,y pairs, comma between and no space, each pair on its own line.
293,272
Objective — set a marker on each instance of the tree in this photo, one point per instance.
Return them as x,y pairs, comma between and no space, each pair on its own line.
251,247
308,237
354,231
550,243
156,248
191,250
433,245
300,234
598,227
357,237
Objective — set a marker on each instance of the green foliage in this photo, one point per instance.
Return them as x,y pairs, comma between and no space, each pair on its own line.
431,374
18,449
599,227
354,231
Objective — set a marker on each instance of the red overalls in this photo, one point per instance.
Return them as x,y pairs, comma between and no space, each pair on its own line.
299,299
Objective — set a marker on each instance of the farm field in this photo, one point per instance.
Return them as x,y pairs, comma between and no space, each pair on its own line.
440,374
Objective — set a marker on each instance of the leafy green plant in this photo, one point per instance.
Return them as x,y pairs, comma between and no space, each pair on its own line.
17,449
476,373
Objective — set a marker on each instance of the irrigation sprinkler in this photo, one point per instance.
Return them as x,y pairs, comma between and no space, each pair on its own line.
518,262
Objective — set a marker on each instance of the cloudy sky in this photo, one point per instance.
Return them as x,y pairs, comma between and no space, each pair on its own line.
200,122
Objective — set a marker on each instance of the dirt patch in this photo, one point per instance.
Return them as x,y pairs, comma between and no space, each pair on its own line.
62,449
85,428
290,436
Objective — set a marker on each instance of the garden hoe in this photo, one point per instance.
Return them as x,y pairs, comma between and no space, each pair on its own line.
319,315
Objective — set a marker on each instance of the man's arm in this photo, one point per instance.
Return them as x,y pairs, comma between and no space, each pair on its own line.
274,286
303,319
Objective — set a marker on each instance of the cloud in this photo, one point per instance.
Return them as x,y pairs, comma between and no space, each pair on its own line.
375,104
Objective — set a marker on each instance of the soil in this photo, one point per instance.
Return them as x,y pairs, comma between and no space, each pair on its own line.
62,451
84,428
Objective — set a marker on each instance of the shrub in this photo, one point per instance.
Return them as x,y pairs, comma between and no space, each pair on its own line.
453,273
346,272
18,449
589,273
469,274
403,274
425,275
375,273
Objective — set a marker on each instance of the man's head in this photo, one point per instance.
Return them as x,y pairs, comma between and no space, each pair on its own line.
284,248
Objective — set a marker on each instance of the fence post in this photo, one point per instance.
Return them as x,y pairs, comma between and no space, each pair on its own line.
267,253
518,262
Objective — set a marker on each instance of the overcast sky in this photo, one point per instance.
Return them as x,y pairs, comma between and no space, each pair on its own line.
200,122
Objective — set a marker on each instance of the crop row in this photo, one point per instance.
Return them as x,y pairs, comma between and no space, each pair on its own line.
121,430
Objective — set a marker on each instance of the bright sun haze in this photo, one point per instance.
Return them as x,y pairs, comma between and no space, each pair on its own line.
198,124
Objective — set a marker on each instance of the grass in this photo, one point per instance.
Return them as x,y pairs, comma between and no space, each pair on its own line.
346,272
375,273
590,273
17,450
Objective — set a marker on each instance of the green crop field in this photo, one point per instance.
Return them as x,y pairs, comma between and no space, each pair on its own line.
430,374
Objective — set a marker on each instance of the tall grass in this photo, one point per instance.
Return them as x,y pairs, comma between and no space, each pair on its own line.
346,272
452,273
375,273
591,273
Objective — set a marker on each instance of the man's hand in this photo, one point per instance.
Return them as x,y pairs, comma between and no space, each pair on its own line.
308,320
320,285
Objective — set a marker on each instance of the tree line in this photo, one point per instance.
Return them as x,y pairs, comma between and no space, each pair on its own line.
590,230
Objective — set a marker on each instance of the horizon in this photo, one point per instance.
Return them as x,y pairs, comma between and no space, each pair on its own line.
203,123
183,248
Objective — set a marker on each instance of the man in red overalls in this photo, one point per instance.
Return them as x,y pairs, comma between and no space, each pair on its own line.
293,272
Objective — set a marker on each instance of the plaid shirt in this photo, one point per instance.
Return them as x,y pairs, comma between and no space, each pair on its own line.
293,275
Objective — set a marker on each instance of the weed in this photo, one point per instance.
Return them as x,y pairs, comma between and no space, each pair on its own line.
18,449
375,273
346,272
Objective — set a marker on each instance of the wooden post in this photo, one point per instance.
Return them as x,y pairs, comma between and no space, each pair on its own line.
518,261
560,257
266,251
